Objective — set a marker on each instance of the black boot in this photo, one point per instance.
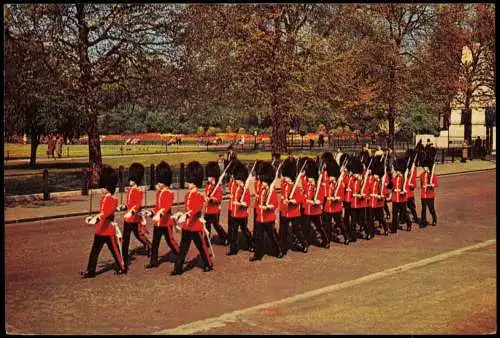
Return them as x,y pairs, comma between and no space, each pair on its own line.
207,268
255,258
176,272
87,274
151,265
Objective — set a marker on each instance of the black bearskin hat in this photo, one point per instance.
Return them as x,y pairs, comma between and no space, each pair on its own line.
289,168
194,173
303,160
136,173
332,168
108,179
378,166
410,155
312,170
266,172
164,173
356,166
258,167
212,170
400,164
327,157
240,171
430,155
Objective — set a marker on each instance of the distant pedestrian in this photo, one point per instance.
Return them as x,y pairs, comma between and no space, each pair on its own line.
311,143
59,144
51,144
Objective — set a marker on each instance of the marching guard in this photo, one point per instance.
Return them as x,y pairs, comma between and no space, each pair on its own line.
240,200
193,227
377,195
162,214
265,205
399,198
106,229
411,184
358,200
312,204
214,199
428,185
132,222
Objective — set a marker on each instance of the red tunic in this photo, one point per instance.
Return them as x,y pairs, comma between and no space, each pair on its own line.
331,206
357,202
375,202
134,202
164,202
348,188
411,183
213,208
265,215
429,192
240,211
397,186
309,192
366,191
231,185
193,203
290,210
325,182
107,207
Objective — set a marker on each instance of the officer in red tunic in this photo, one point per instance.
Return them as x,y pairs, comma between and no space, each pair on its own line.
332,210
399,198
162,214
377,196
358,200
241,201
133,206
193,228
312,204
105,232
367,173
214,199
290,202
428,185
266,202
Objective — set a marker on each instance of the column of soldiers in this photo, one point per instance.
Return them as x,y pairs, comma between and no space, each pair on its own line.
318,202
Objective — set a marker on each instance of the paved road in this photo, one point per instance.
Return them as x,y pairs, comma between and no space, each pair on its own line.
44,294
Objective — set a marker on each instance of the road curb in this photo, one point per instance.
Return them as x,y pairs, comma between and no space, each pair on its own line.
42,218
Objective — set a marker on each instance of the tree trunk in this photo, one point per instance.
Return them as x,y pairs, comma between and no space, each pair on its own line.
34,145
87,106
280,125
390,119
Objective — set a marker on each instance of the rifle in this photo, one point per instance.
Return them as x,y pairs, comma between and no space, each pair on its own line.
382,181
413,166
337,184
271,187
318,184
432,175
405,177
365,177
221,178
247,182
297,179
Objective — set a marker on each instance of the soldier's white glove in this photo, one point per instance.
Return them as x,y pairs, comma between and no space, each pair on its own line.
176,216
128,215
121,207
156,217
148,213
92,220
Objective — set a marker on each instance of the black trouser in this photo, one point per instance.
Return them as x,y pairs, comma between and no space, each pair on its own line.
399,212
213,219
258,232
348,219
413,208
386,207
317,230
329,226
199,241
128,228
233,230
299,240
377,214
358,217
112,245
158,233
428,203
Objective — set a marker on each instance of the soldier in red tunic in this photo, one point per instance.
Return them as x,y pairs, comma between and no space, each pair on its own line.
162,214
214,200
193,228
290,202
266,203
348,181
332,210
133,206
377,196
411,184
312,204
105,232
428,185
241,201
358,200
399,196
